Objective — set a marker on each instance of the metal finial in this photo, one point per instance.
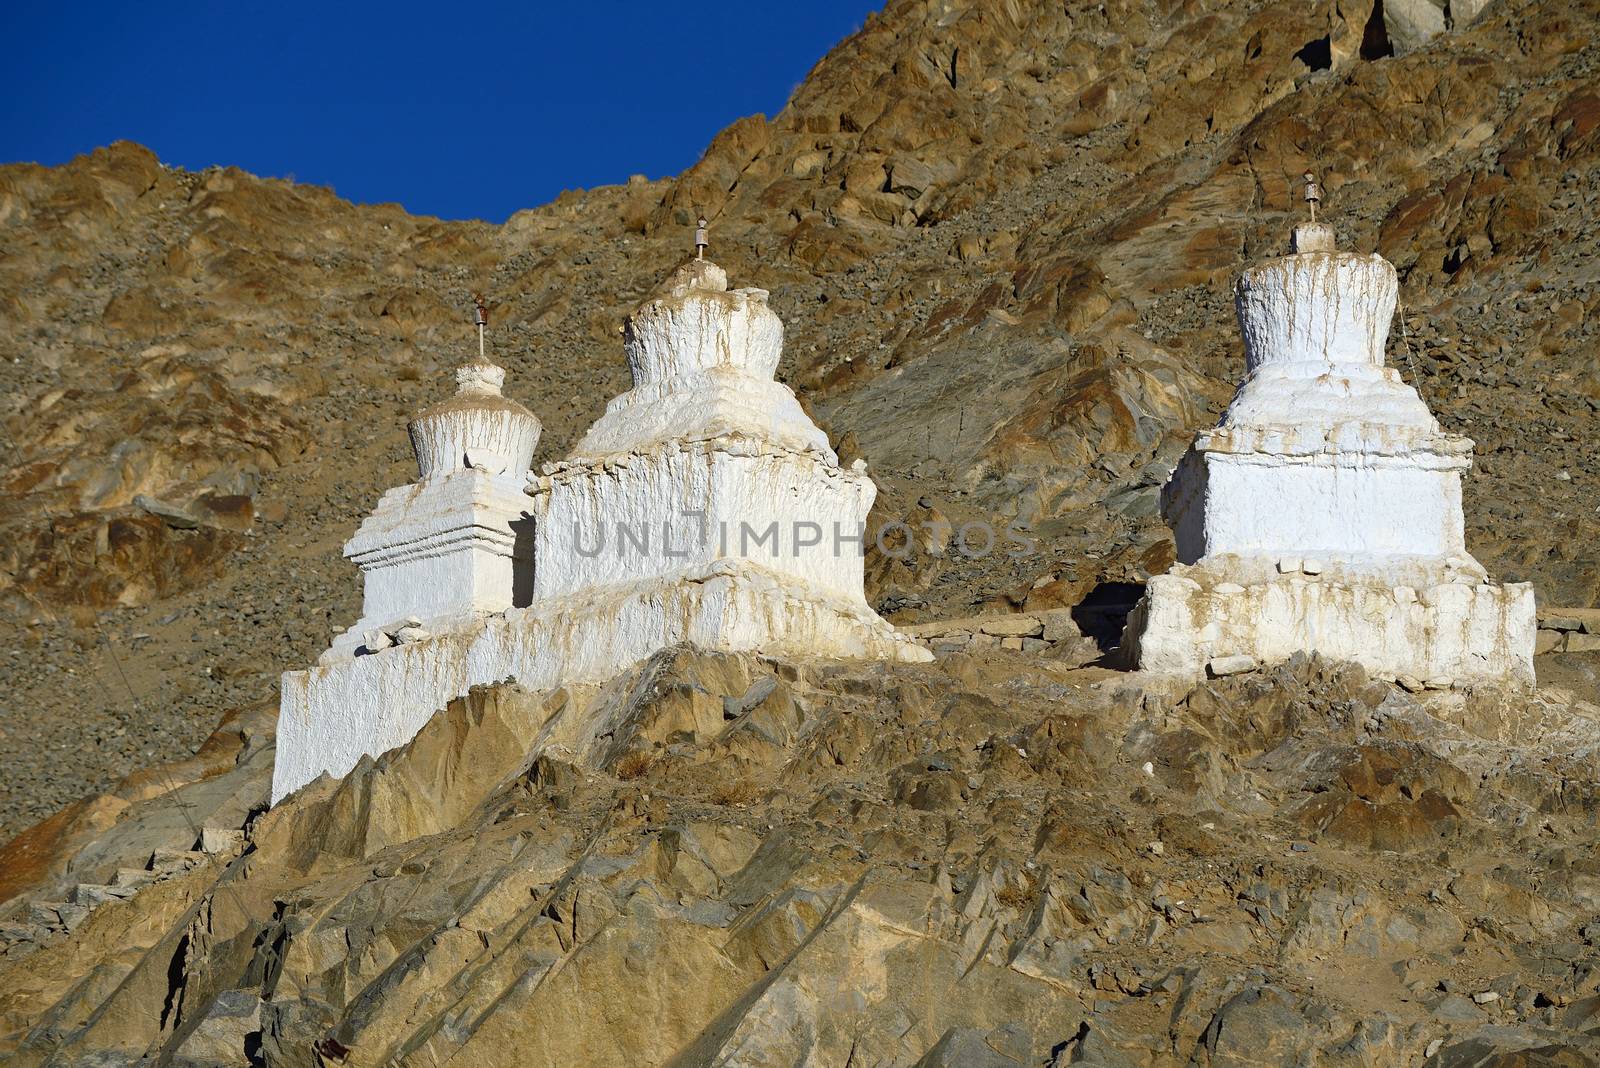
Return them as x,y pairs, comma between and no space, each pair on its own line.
1313,193
481,317
701,243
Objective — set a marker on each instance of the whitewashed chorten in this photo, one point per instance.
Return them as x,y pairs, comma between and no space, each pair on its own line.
1323,513
704,506
453,546
707,490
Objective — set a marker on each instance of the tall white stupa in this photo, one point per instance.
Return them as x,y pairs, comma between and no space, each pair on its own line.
704,506
706,490
1323,513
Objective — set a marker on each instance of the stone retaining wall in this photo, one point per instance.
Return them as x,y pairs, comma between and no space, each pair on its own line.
1568,630
1031,632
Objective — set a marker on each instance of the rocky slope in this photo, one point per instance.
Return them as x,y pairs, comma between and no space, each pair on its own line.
992,861
1001,237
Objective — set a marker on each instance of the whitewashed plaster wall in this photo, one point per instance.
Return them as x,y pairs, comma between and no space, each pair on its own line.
334,714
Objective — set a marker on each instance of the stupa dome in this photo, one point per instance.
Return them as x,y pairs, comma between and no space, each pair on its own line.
1315,324
694,324
1318,306
703,357
478,427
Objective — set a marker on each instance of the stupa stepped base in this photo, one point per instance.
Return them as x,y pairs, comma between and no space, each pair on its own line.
334,714
1448,630
441,551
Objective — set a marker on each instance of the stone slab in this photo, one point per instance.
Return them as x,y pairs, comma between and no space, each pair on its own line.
1007,626
1583,619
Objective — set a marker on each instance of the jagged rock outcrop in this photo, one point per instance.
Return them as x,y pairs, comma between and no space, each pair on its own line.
722,859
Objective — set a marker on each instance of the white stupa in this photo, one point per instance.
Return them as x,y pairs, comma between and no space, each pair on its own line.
452,546
703,507
1323,513
706,489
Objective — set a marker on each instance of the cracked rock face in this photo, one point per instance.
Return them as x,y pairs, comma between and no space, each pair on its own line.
719,859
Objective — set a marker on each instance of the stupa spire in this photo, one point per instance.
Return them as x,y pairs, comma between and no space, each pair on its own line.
481,317
1312,236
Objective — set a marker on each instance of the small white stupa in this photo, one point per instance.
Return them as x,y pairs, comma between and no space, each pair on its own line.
453,546
1323,513
703,507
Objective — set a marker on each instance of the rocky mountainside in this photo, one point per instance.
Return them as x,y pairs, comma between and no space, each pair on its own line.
1001,236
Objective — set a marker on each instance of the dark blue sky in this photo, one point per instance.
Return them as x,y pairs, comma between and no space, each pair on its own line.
458,110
